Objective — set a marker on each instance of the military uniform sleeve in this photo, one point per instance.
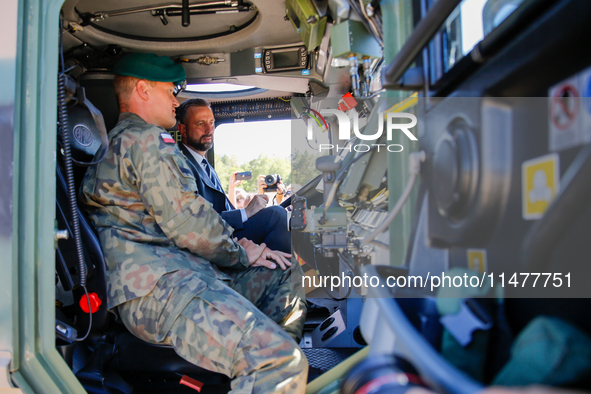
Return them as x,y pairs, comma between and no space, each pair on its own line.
169,193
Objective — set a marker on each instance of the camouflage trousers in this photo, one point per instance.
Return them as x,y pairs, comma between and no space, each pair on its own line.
244,329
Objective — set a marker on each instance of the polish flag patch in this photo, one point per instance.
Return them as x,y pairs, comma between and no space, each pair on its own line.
167,138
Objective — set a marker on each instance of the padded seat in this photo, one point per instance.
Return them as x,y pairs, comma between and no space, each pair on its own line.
111,359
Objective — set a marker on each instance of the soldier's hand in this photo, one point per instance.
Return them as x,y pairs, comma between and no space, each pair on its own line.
257,203
262,256
268,256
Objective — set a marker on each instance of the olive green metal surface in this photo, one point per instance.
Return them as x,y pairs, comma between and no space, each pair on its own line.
397,17
37,366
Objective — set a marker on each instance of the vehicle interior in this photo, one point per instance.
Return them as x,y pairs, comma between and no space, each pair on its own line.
501,112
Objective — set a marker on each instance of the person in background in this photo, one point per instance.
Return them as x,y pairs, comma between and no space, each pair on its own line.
240,196
248,198
278,194
232,190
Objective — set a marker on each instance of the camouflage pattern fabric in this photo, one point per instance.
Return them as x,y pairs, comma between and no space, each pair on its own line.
222,331
142,199
169,255
278,294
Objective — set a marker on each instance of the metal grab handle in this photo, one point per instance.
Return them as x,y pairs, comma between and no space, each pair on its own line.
419,38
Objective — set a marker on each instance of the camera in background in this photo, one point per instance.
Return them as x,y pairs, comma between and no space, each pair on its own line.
271,181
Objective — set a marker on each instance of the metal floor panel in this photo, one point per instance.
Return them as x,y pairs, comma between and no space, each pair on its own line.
321,360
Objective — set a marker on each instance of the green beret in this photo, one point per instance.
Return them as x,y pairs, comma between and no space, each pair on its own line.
151,67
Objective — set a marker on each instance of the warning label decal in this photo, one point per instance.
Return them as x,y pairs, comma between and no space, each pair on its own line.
564,115
540,184
477,260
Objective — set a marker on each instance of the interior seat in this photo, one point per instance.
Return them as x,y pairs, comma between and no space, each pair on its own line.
110,359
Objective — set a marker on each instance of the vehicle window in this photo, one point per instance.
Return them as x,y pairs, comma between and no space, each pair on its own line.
306,150
467,25
263,148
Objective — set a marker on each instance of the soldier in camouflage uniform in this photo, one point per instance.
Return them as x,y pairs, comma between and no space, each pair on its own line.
175,274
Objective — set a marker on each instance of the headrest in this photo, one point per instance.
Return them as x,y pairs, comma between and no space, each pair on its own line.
87,132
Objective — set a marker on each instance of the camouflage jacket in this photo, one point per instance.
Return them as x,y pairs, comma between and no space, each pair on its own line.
143,200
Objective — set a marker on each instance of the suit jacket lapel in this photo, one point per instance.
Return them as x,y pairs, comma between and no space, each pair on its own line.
200,172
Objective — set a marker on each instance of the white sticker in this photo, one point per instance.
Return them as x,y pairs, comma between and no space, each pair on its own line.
564,109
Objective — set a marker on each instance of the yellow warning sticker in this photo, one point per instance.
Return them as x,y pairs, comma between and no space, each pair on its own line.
477,260
540,184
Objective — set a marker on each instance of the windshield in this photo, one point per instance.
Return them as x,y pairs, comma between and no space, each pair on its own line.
471,21
263,148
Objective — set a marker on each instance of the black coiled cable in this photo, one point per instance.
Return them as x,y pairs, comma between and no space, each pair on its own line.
69,172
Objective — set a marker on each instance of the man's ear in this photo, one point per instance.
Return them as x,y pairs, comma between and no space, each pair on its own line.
182,130
143,89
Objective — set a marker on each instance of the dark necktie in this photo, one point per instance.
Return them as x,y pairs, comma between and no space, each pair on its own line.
209,172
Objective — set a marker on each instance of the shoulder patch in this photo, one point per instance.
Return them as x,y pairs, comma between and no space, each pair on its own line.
167,138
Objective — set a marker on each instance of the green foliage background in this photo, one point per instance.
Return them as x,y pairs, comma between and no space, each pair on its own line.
298,169
262,165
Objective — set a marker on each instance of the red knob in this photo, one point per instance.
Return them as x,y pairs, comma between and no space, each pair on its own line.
95,302
192,383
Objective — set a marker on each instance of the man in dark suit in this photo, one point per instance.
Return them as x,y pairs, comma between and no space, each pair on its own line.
256,221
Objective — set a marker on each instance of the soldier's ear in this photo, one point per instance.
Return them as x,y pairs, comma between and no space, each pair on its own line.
142,88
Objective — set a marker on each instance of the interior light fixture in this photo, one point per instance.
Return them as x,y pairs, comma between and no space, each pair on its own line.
217,88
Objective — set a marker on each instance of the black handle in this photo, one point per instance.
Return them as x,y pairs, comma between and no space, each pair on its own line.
186,15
